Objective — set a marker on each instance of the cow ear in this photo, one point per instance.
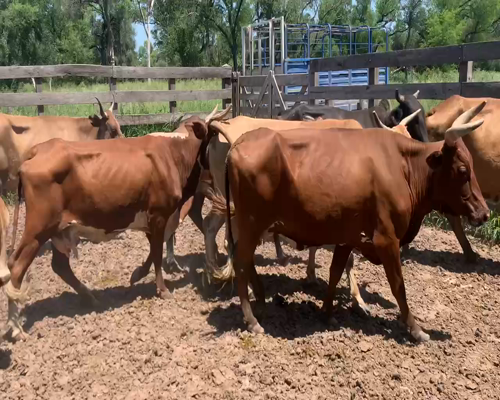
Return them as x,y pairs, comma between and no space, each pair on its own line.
198,128
95,120
435,160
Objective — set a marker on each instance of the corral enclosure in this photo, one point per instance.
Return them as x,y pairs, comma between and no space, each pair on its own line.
136,346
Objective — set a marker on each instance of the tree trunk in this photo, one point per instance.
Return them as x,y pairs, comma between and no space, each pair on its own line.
234,50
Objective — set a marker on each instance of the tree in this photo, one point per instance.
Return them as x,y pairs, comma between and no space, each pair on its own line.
228,17
112,28
144,14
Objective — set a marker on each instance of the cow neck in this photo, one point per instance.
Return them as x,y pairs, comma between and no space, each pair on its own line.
186,156
88,130
420,176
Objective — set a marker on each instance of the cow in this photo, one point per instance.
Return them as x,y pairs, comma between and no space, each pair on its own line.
4,223
97,190
408,104
483,147
18,134
358,189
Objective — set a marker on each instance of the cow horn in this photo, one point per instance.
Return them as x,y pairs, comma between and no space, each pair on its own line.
308,118
113,103
399,98
379,122
407,119
416,93
468,115
221,129
455,133
462,125
103,114
210,116
220,116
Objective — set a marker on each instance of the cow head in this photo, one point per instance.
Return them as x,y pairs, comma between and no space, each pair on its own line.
401,127
107,124
408,104
454,186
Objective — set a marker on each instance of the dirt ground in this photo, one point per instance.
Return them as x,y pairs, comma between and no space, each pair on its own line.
136,346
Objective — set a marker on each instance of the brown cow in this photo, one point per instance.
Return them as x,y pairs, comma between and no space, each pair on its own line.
4,223
97,190
366,189
18,134
483,145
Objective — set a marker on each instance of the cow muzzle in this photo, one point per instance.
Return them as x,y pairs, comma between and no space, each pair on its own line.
480,217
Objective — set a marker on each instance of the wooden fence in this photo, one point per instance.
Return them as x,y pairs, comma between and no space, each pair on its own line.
463,55
114,74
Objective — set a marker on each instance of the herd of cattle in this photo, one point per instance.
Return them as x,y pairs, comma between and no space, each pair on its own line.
320,176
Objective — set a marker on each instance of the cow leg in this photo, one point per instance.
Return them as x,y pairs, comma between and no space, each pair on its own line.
456,225
353,287
195,211
17,288
339,260
60,265
387,249
143,271
158,231
283,259
245,269
211,226
311,265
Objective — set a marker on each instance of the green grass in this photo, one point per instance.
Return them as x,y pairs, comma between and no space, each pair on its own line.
489,232
436,76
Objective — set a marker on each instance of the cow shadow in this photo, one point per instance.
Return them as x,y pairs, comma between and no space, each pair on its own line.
5,358
292,320
452,262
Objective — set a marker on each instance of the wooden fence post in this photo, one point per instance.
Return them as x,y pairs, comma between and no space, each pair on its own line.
235,98
112,88
38,84
172,105
372,80
465,71
226,84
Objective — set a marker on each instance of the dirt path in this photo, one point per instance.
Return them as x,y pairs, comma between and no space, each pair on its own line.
137,346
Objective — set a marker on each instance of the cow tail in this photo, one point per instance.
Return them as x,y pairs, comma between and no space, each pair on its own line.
16,214
227,272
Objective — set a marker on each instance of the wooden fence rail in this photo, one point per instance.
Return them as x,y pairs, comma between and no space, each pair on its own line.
463,55
113,73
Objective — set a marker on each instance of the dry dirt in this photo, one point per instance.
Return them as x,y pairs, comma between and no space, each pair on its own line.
137,346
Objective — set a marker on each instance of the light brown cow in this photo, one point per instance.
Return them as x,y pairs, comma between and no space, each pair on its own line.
483,145
18,134
97,190
366,189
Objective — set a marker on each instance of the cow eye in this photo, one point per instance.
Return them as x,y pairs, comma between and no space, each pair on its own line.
462,170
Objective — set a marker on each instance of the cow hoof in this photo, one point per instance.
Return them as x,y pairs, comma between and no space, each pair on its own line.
165,294
4,276
311,280
471,257
362,309
136,276
284,261
420,336
172,266
256,328
88,300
